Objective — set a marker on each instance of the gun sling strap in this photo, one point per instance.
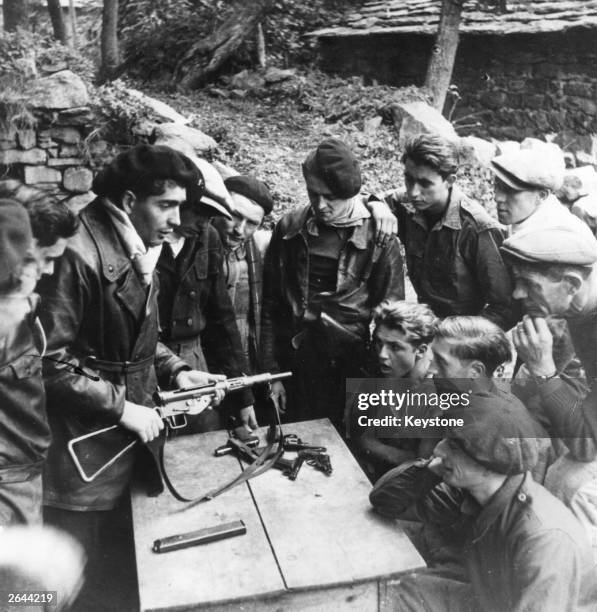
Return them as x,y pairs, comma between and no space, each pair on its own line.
262,463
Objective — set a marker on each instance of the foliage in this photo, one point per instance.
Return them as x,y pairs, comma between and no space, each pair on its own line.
118,113
156,33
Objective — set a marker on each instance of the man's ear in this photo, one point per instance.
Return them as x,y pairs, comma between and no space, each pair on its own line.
543,193
421,351
129,199
476,369
451,179
573,281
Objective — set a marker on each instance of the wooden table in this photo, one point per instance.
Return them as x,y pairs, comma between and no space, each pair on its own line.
311,544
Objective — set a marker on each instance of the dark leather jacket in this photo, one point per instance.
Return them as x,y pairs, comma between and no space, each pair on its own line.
194,301
367,275
456,266
95,306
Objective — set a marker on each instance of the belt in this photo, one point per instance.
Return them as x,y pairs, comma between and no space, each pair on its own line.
120,367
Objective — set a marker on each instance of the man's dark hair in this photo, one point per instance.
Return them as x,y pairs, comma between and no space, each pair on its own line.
50,218
143,189
416,321
476,338
433,151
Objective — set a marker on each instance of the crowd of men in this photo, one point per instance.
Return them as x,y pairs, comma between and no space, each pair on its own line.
168,278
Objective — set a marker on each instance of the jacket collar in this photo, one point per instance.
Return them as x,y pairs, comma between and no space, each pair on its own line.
113,258
298,220
497,504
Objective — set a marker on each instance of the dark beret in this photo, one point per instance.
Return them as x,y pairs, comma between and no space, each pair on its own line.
498,432
16,239
144,163
332,167
251,188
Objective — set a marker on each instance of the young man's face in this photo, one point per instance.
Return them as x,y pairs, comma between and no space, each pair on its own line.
246,220
540,295
427,189
158,215
458,469
327,207
449,370
514,206
396,356
40,261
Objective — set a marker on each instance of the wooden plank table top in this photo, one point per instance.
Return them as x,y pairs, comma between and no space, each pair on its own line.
309,536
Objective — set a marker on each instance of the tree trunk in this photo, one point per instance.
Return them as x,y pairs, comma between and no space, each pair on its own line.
204,58
15,14
441,64
110,58
72,14
261,56
55,11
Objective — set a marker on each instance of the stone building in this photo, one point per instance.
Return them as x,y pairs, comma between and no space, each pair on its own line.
527,72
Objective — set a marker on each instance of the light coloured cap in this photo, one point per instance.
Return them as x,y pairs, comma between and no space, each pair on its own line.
530,169
562,243
215,193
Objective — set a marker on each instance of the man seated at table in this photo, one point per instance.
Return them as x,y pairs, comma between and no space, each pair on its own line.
401,349
518,546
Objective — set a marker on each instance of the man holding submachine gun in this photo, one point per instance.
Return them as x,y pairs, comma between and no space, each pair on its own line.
101,319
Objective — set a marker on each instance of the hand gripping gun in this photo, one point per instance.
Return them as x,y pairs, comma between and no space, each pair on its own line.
169,405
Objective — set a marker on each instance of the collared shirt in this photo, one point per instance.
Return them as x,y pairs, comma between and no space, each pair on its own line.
455,266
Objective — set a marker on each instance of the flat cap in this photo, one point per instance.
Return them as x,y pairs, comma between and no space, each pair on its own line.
530,169
16,239
251,188
142,164
213,192
498,432
332,167
571,243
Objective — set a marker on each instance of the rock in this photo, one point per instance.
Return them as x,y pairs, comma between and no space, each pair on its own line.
161,109
64,162
274,75
40,174
577,182
69,135
416,117
78,202
475,150
60,90
584,159
26,139
31,156
44,140
81,115
506,146
69,150
370,125
246,81
167,133
77,180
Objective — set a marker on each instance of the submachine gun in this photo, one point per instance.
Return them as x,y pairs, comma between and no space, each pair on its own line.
171,406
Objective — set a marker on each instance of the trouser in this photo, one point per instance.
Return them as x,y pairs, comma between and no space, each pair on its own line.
209,420
111,573
575,484
20,502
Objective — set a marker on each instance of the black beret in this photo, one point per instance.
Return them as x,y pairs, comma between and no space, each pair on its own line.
251,188
498,432
144,163
16,239
332,167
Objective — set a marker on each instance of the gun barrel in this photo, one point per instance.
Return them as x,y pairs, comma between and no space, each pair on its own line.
163,398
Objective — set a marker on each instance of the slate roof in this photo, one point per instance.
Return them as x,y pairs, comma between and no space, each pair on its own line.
422,17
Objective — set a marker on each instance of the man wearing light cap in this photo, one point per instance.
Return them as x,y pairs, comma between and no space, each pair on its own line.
196,314
525,182
323,276
99,311
244,247
519,547
554,274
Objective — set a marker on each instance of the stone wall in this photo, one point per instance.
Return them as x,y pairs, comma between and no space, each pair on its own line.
516,86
